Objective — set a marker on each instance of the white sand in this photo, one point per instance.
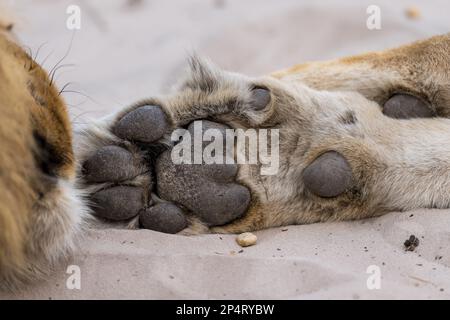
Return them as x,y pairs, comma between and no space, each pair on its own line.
123,54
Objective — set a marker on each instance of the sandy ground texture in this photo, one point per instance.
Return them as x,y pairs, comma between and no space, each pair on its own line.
128,50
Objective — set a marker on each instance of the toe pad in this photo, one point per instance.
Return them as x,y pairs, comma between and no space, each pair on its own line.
110,163
163,217
118,203
144,124
406,106
329,175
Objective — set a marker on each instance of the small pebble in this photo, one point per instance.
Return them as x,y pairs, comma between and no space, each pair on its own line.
246,239
412,12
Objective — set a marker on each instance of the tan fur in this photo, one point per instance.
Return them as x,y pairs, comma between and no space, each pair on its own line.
40,208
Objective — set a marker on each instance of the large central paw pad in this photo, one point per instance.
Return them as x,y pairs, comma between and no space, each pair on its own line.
134,177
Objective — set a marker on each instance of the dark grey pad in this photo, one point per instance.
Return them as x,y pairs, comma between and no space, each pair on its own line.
163,217
329,175
118,203
144,124
110,163
260,98
206,190
221,172
406,106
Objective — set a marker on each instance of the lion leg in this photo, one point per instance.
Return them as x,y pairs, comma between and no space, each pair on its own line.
41,209
419,72
341,155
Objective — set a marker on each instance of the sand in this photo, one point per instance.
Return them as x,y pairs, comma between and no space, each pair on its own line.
127,52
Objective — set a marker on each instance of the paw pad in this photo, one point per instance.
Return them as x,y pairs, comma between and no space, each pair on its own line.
215,203
163,217
329,175
406,106
260,98
110,163
208,191
118,203
144,124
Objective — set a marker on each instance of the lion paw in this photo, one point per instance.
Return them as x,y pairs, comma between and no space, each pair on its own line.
130,176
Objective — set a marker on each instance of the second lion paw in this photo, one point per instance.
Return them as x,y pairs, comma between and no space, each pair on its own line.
131,176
